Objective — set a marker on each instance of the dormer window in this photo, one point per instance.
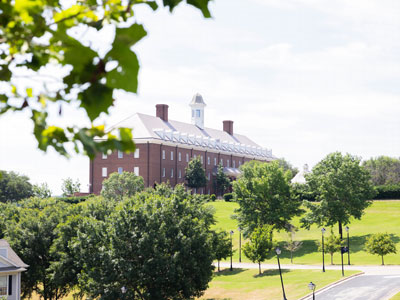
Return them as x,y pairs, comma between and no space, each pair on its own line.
198,113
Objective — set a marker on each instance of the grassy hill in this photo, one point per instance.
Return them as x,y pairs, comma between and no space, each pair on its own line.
381,216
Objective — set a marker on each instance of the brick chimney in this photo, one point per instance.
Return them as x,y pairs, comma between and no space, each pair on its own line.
162,112
228,126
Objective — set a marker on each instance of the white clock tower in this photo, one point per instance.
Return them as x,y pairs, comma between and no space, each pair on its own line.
197,105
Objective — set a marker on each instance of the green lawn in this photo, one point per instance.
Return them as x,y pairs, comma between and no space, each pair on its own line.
396,297
247,284
381,216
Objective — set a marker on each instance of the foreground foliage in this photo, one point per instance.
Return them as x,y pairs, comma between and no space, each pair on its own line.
38,44
14,187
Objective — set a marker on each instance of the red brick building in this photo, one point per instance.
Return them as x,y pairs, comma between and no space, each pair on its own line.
164,148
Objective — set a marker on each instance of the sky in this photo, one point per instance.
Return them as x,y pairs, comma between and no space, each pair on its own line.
301,77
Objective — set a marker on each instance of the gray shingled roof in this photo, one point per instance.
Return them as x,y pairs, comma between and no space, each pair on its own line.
144,126
197,99
12,256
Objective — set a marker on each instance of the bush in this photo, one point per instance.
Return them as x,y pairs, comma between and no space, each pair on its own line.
228,197
304,192
213,197
387,191
74,199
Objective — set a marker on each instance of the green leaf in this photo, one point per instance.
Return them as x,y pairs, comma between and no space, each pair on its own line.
202,5
5,73
96,99
124,76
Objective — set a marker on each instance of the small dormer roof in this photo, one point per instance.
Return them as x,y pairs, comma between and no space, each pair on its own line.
197,99
11,255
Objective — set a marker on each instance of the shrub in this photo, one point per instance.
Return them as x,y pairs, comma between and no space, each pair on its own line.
213,197
228,197
74,199
387,191
304,192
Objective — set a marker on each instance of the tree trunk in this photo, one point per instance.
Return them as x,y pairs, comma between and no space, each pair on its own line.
259,268
382,261
331,259
340,230
291,257
218,267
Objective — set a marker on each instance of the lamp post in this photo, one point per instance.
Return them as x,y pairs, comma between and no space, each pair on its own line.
278,252
348,245
312,286
124,290
231,233
323,250
240,244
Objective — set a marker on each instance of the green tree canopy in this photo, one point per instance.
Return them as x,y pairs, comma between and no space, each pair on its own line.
195,175
380,244
36,37
41,191
222,246
118,186
259,247
384,170
287,166
14,187
222,182
343,188
69,187
332,244
157,248
264,196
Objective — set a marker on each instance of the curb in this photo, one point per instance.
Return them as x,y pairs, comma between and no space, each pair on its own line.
331,285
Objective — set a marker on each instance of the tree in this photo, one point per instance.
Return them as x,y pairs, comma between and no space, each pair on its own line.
222,182
380,244
118,186
343,188
258,248
36,37
31,235
332,244
14,187
264,196
384,170
222,246
195,175
69,187
287,166
157,248
291,245
41,191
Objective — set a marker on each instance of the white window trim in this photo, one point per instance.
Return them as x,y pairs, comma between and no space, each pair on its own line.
172,173
172,155
180,156
163,172
215,161
104,172
187,157
163,154
104,156
122,170
134,171
120,154
136,154
7,280
208,160
179,173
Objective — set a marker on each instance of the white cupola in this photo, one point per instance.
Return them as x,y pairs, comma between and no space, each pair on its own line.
197,106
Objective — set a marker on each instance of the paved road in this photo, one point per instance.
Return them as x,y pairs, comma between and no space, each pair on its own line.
364,287
378,282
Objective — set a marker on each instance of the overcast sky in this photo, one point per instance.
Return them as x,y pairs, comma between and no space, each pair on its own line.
301,77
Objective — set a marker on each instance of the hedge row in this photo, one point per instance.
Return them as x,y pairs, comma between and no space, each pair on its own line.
388,191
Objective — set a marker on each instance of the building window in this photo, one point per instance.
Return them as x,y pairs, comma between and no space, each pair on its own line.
120,170
234,163
208,160
3,285
193,113
209,191
194,156
187,157
201,158
120,154
209,176
104,156
136,153
240,163
172,173
104,172
172,155
227,163
136,171
179,156
198,113
215,161
179,173
163,154
163,172
221,162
